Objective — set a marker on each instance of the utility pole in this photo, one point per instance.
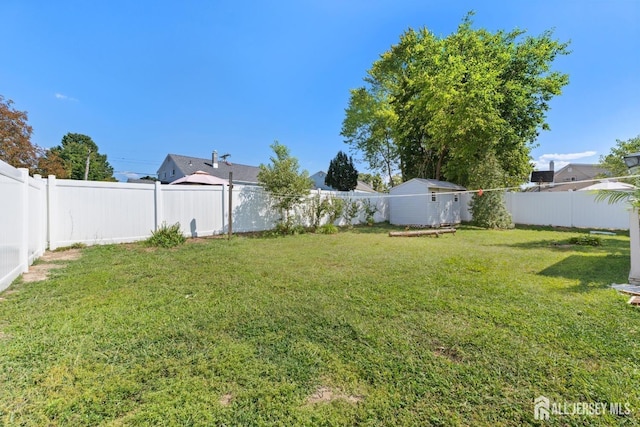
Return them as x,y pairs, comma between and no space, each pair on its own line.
230,204
86,166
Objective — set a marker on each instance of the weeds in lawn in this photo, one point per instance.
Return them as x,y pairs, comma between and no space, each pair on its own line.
586,240
166,236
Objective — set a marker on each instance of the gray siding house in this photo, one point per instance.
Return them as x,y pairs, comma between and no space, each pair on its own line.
176,166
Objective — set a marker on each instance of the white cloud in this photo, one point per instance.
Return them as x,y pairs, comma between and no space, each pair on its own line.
569,156
64,97
560,160
124,175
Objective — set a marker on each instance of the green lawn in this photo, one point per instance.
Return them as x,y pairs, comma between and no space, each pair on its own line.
464,329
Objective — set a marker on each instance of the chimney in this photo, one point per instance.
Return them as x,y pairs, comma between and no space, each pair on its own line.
551,165
214,159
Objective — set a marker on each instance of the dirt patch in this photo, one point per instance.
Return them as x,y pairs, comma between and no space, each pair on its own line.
448,353
226,399
70,255
325,394
41,270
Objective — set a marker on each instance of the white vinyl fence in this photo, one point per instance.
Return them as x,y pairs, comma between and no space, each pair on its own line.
561,209
50,213
23,227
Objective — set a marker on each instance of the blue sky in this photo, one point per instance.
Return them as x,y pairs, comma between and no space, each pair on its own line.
148,78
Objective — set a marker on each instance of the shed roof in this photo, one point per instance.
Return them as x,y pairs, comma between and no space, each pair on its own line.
433,183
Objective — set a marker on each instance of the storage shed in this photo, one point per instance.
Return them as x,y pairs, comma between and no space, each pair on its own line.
425,203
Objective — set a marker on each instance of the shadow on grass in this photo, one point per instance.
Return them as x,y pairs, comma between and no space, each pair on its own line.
569,229
593,272
613,245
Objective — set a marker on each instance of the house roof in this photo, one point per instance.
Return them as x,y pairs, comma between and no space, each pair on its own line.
589,170
363,186
434,183
241,173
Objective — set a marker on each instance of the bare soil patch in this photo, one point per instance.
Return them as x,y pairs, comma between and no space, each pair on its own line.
49,261
226,399
325,394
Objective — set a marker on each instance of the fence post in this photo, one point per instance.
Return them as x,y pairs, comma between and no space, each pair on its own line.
634,237
159,205
51,212
24,235
42,215
224,210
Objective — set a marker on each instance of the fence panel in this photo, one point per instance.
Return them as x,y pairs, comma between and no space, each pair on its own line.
560,209
93,212
251,209
198,209
37,218
11,219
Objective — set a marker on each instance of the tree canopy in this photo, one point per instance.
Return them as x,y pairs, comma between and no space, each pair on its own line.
15,137
439,106
74,150
342,175
17,149
614,161
283,180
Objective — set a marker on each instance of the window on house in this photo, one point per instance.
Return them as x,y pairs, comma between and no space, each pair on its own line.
165,175
173,172
433,196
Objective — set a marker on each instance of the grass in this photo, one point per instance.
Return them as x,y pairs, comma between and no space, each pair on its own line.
456,330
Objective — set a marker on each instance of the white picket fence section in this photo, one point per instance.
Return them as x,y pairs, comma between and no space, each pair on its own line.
51,213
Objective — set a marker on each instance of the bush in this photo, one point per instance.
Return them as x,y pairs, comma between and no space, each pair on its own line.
167,236
286,228
586,240
489,211
350,211
327,229
370,210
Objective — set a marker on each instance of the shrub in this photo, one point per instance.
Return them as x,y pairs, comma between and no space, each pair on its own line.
489,211
317,207
166,236
286,228
370,210
327,229
350,211
586,240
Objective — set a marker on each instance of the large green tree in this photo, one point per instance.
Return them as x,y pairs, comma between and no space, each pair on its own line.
614,161
284,182
468,99
75,149
369,125
342,175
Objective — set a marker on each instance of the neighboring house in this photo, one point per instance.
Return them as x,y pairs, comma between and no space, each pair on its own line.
318,184
579,172
176,166
425,202
572,177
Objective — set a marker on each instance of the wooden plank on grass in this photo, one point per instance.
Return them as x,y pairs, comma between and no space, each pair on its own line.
416,233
